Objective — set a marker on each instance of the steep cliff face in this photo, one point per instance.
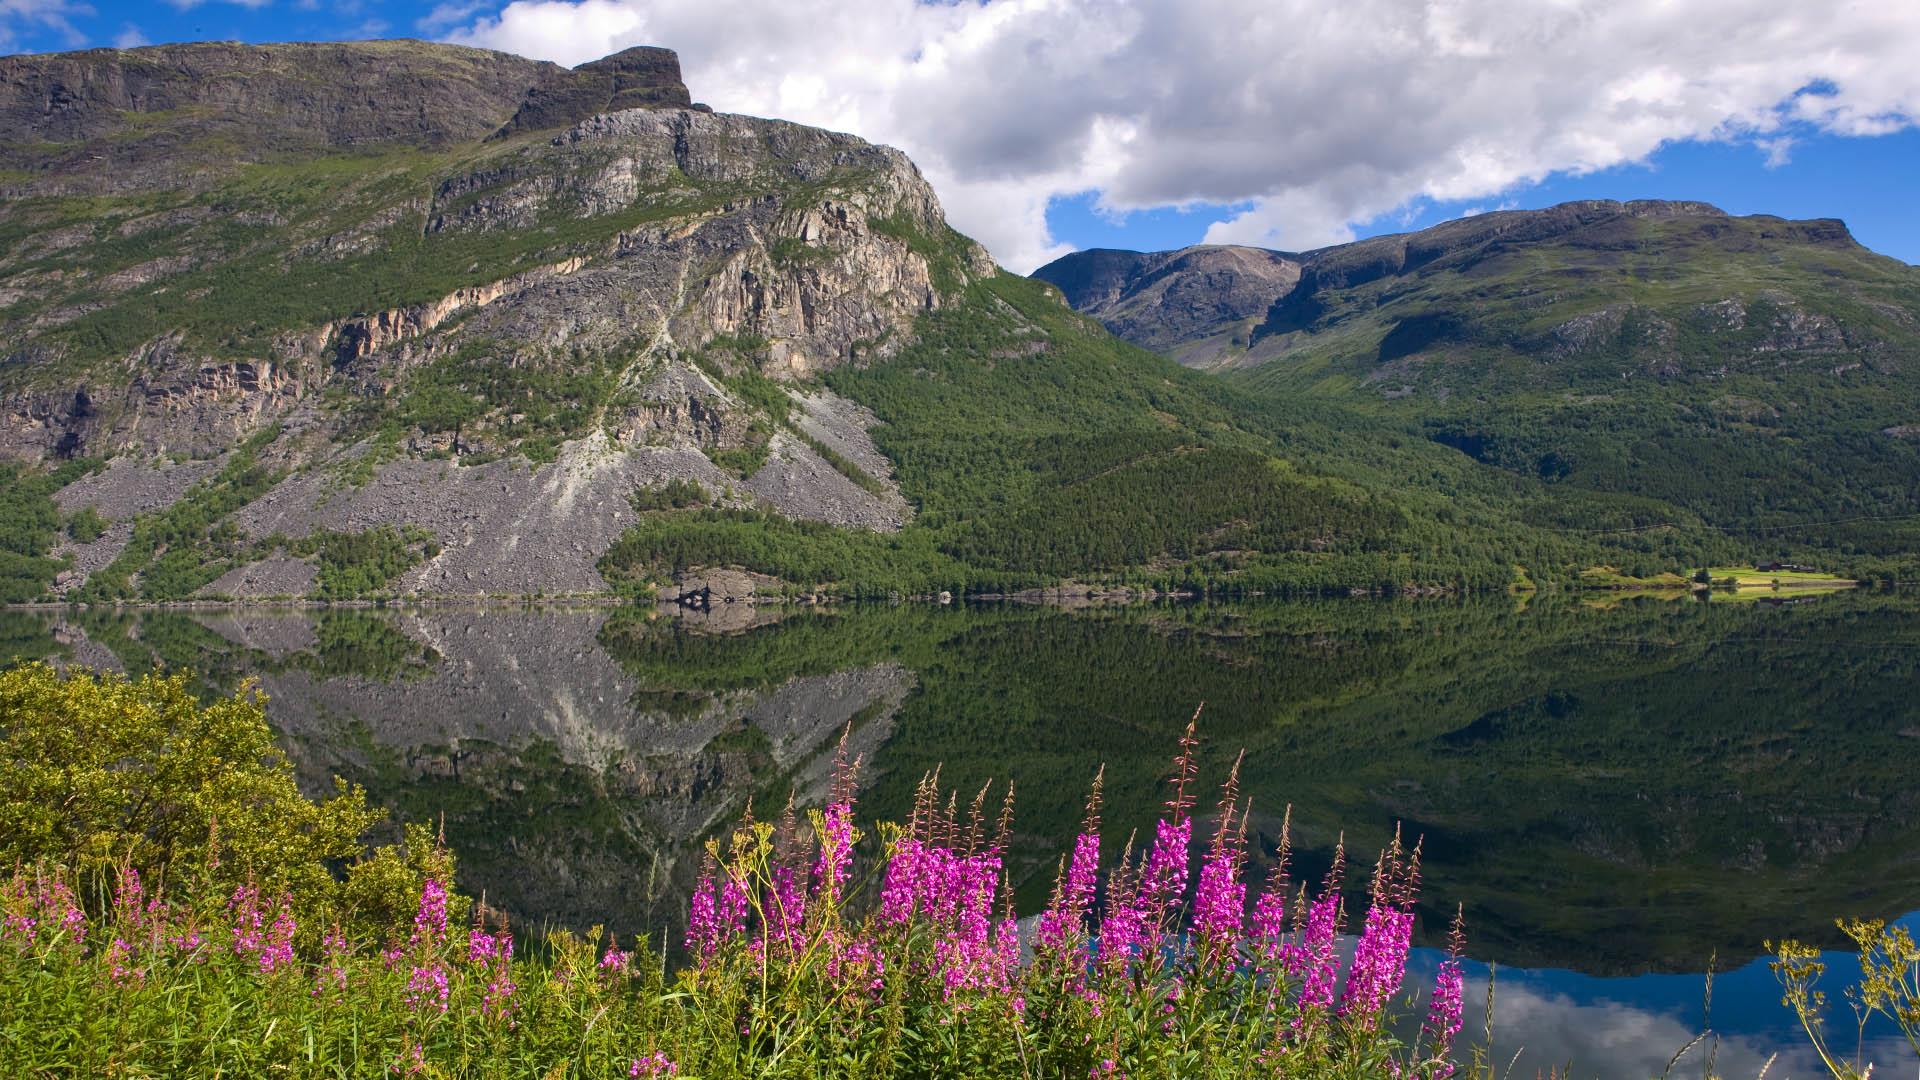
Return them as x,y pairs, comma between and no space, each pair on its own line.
430,258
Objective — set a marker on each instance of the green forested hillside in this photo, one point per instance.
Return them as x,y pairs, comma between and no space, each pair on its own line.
1038,448
1648,366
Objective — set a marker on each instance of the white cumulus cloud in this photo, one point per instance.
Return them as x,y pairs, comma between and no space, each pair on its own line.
1312,116
21,20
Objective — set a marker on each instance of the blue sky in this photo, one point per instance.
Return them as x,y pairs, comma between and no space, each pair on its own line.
1157,123
1869,182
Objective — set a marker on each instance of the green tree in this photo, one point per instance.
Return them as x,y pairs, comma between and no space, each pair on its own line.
101,770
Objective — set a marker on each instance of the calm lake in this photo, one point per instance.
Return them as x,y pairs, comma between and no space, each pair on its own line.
1621,795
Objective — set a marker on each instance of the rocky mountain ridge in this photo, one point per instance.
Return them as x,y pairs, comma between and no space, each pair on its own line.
577,269
1215,306
114,119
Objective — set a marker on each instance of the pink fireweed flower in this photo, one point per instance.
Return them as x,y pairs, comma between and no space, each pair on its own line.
1064,919
615,962
1444,1010
715,918
427,986
430,922
1444,1013
1006,949
49,906
187,941
496,1000
1380,958
120,957
249,922
278,952
1163,881
836,853
1124,929
22,921
702,926
482,947
966,956
656,1065
786,910
1219,902
1268,927
1379,963
332,974
269,944
1317,965
859,966
129,898
900,890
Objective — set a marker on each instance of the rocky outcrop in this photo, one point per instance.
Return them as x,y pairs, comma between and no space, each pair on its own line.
364,335
278,576
1196,304
639,78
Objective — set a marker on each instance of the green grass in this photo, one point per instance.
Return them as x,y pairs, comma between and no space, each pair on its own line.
1747,576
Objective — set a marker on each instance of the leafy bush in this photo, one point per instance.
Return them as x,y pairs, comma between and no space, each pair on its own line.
99,771
85,525
675,494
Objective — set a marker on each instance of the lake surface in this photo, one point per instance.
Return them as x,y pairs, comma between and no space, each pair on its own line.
1621,795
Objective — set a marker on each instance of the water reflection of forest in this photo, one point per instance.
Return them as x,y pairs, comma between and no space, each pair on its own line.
1606,790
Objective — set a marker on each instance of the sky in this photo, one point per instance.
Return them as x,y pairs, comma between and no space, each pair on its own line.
1048,126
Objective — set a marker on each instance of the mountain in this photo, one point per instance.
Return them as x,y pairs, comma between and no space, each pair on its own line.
393,318
1195,305
1658,365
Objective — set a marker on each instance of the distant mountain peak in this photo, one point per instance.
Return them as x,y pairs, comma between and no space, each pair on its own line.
1211,305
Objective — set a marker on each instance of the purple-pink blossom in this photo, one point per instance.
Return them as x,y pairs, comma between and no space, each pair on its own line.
655,1065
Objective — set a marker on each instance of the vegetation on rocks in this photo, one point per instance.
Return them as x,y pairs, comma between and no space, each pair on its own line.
179,549
29,527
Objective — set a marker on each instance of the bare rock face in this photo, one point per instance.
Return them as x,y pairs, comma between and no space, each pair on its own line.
279,575
1191,304
639,78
